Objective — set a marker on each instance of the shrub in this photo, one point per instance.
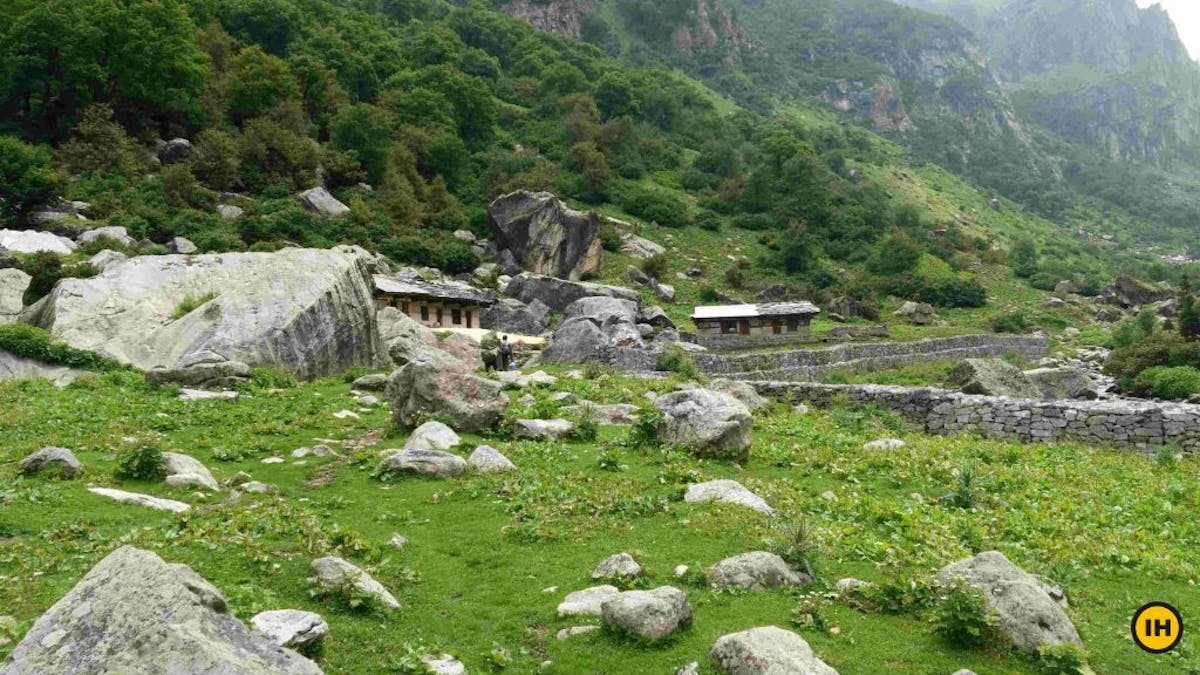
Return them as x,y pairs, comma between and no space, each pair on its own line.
34,343
655,205
99,144
1173,383
735,277
675,360
644,433
797,546
26,178
964,619
954,292
1060,659
966,496
144,462
1163,348
610,238
586,427
46,269
655,266
191,304
267,378
1010,323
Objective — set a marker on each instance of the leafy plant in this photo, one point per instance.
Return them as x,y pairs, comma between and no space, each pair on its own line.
967,495
144,462
35,343
191,304
963,617
675,360
586,426
644,432
1061,659
797,546
655,266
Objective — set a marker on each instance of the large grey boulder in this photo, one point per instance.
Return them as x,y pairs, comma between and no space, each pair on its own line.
755,570
320,202
309,312
402,336
513,316
741,391
726,491
174,151
918,313
432,463
707,423
182,246
114,233
1029,612
20,368
134,613
432,435
545,236
992,377
576,341
61,460
333,573
602,310
586,602
435,384
186,471
107,258
291,628
13,284
618,565
639,247
31,241
767,650
486,459
1062,383
555,428
201,370
651,615
1129,292
558,294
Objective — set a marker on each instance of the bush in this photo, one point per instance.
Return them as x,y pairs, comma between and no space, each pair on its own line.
35,343
644,433
610,238
1160,349
1166,382
964,619
1010,323
655,205
46,269
141,463
586,427
675,360
797,546
1060,659
26,178
655,266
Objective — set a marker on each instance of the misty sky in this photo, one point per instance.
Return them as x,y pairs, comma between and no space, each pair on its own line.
1186,15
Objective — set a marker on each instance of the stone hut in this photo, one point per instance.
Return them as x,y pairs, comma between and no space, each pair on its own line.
434,304
732,326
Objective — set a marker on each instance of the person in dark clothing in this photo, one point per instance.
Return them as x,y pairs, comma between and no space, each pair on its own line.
506,353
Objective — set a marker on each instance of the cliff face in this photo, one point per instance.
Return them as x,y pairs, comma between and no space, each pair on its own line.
564,17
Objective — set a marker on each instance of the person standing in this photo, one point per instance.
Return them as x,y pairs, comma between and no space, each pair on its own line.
506,353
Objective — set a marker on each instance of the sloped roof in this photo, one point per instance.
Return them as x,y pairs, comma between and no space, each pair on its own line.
791,308
437,290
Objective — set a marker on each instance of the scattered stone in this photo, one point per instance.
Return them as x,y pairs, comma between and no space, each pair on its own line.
255,487
315,451
398,541
850,584
237,479
885,444
318,200
346,415
527,400
829,496
620,565
1060,383
728,492
229,211
562,397
367,400
438,385
766,651
13,283
291,628
444,664
555,428
663,292
918,313
433,463
1029,614
657,317
756,570
138,499
639,247
637,276
185,471
174,151
617,414
800,409
135,613
375,382
651,615
183,246
681,570
692,668
432,436
568,633
205,395
61,460
486,459
586,602
576,341
333,572
273,460
708,423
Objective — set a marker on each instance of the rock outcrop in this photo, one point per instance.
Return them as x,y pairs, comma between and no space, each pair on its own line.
992,377
320,202
545,236
31,241
13,283
134,613
558,294
513,316
436,384
309,312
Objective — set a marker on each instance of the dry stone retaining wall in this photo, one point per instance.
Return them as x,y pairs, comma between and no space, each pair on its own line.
1136,424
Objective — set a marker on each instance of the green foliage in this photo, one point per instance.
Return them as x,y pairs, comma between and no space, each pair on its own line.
1187,314
1013,322
644,432
966,496
1163,348
656,266
1170,383
796,544
99,144
1023,259
190,304
1061,659
587,427
26,178
144,462
897,253
675,360
964,619
34,343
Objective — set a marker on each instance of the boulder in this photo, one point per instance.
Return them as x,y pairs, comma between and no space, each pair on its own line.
308,312
202,370
513,316
707,423
432,463
292,628
992,377
106,259
13,284
14,367
462,347
544,236
438,385
756,570
651,615
616,414
728,492
655,316
185,471
767,650
739,390
332,572
443,664
402,337
664,292
602,310
918,313
847,307
556,428
486,459
182,246
466,236
619,565
229,211
174,151
135,613
586,602
432,436
1029,613
318,201
138,499
30,241
1129,292
60,460
558,294
113,233
372,382
1063,382
576,341
639,247
636,276
7,259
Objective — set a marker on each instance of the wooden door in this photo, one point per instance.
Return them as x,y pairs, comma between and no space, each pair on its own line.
744,327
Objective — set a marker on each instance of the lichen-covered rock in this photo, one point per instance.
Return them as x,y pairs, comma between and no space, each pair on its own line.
602,310
32,241
556,428
558,294
619,565
486,459
138,499
320,202
60,460
185,471
203,370
992,377
402,337
586,602
639,247
1062,383
432,436
545,236
332,572
114,233
373,382
739,390
651,615
576,341
291,628
1029,614
755,570
134,613
309,312
513,316
707,423
434,384
767,650
433,463
919,313
20,368
728,492
13,283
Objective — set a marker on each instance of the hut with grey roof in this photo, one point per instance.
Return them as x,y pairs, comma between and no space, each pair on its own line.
740,326
434,304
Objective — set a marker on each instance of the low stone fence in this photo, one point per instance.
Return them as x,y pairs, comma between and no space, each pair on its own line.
803,365
1136,424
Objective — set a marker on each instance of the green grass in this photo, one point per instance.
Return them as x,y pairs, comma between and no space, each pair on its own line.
1116,529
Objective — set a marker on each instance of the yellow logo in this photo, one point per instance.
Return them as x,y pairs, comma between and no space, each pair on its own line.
1157,627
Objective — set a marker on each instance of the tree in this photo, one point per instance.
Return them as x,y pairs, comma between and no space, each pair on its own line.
1187,314
365,130
99,144
26,178
260,82
898,253
1023,259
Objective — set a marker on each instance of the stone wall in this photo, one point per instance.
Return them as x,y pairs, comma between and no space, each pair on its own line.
1137,424
803,365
